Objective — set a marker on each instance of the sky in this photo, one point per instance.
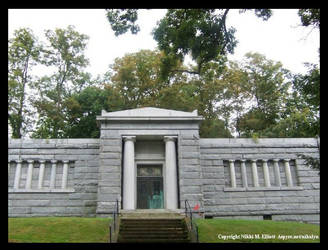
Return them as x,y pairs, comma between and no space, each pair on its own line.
281,38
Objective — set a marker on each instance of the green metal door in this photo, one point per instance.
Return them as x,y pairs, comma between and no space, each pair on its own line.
150,187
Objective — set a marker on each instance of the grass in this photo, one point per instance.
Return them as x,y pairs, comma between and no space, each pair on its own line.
95,230
254,231
58,230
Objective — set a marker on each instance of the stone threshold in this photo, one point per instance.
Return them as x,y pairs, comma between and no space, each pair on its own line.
153,213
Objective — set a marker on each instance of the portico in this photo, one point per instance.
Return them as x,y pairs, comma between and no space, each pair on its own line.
149,142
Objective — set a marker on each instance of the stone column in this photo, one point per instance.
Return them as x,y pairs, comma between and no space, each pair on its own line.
65,173
255,175
17,174
129,177
277,172
28,183
243,173
171,179
288,173
41,174
266,173
53,174
232,173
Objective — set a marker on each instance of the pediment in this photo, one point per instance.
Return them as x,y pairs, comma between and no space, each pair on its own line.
149,113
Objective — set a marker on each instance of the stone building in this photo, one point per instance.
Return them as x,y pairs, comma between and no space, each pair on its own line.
153,158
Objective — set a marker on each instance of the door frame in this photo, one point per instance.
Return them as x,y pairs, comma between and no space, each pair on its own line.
149,162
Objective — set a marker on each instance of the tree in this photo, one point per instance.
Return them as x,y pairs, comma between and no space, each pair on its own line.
137,79
310,17
66,55
301,117
84,107
202,33
123,20
23,53
232,95
267,83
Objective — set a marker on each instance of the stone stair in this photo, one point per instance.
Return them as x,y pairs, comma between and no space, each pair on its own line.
156,227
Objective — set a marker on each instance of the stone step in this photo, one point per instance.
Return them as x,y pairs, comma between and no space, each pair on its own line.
168,232
154,241
163,236
149,229
153,234
141,223
155,227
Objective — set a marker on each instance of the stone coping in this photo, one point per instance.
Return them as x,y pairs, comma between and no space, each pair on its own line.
261,142
243,189
45,190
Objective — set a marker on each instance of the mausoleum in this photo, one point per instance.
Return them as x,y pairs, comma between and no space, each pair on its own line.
152,158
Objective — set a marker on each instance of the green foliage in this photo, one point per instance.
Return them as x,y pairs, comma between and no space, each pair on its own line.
310,17
308,86
311,161
84,107
136,77
134,81
123,20
66,55
265,14
23,54
301,115
214,128
265,84
199,32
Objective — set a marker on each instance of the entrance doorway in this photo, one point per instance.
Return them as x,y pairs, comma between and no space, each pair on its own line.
150,187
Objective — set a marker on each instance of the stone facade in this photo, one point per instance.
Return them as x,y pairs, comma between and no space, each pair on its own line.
239,178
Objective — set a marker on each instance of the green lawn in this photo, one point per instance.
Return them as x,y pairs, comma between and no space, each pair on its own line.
80,230
58,229
258,231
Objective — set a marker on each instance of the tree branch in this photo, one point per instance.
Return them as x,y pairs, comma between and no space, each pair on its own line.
186,71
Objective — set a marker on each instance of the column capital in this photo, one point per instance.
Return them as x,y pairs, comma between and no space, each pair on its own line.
275,160
231,161
243,160
30,161
18,161
53,161
129,138
65,161
264,160
286,160
169,138
253,160
42,161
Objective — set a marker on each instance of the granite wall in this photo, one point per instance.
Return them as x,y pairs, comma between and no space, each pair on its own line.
299,201
204,176
79,198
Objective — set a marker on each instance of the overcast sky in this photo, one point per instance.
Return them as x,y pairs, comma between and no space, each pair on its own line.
280,39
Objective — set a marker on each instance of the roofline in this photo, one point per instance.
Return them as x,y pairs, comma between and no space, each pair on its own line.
150,118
